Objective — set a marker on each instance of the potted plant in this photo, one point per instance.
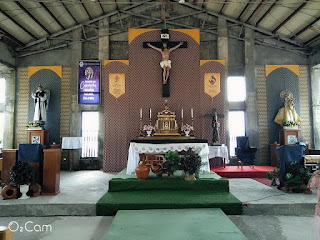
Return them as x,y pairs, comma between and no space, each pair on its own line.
172,162
274,177
21,175
296,178
190,163
149,129
186,129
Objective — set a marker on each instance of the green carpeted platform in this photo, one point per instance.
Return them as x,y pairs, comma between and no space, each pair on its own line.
206,182
111,202
126,192
178,224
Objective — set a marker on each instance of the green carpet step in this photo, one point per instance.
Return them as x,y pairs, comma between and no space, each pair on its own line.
206,182
177,224
111,202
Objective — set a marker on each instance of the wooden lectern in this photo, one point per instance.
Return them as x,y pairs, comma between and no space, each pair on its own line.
51,171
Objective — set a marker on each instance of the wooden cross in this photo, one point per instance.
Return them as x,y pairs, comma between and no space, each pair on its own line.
160,45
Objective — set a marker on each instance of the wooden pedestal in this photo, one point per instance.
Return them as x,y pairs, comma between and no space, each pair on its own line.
289,136
273,155
9,158
51,171
38,136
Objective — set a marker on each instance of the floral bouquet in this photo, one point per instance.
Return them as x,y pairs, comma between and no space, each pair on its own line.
186,127
148,128
290,124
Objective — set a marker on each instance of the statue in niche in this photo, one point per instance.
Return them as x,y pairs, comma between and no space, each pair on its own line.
41,103
287,115
166,62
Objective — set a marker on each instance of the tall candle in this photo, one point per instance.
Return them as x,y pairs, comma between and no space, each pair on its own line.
150,113
182,113
140,112
191,112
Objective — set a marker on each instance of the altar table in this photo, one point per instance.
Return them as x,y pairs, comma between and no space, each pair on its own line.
219,151
159,147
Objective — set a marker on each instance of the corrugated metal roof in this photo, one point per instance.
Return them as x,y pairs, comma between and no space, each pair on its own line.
30,20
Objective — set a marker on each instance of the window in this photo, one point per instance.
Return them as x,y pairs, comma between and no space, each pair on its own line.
2,90
236,89
90,130
236,96
236,128
1,128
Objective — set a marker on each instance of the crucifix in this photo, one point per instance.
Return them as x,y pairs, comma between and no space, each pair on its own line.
165,47
215,127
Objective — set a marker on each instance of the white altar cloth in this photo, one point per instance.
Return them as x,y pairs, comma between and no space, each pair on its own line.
219,151
136,148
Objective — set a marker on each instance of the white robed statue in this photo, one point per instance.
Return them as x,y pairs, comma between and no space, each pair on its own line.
41,103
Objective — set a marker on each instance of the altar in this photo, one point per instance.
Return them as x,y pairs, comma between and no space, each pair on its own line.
162,146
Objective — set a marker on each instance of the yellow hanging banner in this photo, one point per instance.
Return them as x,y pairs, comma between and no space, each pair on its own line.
117,84
212,84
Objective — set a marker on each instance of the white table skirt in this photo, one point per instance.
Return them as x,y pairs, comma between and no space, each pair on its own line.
219,151
136,148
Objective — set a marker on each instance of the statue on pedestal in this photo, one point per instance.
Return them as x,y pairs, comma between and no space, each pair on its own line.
287,115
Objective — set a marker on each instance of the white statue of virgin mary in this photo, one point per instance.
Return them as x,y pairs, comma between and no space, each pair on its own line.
41,103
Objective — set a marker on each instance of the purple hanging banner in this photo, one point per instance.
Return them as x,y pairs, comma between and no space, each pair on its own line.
89,82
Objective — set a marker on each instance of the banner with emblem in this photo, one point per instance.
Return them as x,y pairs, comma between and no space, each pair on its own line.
117,84
212,84
89,82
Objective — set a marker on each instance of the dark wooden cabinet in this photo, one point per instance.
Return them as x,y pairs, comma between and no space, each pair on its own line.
9,158
51,171
273,154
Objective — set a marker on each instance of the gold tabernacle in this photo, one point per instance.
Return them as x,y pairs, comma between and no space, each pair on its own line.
166,124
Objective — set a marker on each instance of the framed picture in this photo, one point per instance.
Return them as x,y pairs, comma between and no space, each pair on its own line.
35,139
292,139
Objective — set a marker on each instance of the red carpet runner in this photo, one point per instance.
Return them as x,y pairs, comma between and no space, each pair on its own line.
246,172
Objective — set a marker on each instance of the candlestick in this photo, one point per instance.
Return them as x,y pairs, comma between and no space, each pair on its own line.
140,130
182,113
150,113
140,112
191,112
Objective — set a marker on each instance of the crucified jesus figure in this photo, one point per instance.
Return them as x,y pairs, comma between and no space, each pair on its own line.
166,62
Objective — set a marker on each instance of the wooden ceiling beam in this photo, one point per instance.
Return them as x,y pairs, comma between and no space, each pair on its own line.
267,12
51,15
312,40
290,16
232,20
85,9
32,17
11,38
83,24
255,11
243,10
68,11
18,24
305,28
102,7
224,4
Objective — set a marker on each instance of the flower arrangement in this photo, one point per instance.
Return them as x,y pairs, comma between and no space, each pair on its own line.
148,128
186,127
290,124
